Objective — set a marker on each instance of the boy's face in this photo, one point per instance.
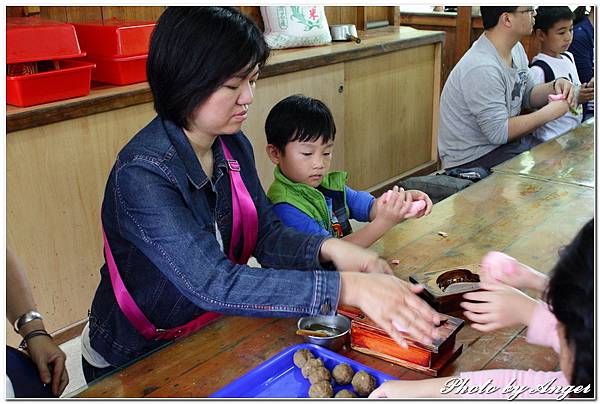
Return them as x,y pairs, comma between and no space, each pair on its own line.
558,38
303,162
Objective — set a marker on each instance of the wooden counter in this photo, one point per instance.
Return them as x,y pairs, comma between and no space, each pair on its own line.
383,93
524,217
567,158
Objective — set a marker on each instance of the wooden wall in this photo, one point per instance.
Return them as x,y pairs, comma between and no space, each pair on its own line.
461,29
358,15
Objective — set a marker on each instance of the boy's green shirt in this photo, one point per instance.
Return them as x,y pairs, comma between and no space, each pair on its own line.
309,200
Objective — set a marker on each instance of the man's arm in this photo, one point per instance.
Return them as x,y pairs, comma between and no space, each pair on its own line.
524,124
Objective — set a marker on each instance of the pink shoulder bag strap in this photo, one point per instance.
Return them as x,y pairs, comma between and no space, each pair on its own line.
245,220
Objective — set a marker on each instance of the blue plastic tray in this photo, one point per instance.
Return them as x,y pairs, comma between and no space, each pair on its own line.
278,377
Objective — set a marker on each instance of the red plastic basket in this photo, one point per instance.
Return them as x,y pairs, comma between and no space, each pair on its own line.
71,80
115,38
119,71
31,39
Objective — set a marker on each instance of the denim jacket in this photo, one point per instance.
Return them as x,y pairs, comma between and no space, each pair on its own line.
159,213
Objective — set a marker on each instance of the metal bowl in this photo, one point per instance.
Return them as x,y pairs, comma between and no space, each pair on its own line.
338,323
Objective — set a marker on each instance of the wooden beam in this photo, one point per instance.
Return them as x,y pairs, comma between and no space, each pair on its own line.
361,18
463,31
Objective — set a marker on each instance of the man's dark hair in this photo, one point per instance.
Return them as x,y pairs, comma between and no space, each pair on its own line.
299,118
570,295
547,16
579,14
193,51
491,15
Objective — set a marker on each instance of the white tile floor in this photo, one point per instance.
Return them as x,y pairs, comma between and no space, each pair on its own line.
73,350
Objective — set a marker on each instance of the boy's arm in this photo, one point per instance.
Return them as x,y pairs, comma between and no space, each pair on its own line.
296,219
369,233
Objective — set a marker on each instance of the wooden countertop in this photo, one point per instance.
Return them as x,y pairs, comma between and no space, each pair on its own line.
105,98
525,217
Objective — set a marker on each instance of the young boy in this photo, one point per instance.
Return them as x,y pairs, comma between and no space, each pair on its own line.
300,133
554,30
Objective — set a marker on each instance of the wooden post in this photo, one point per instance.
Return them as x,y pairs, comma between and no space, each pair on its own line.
394,15
463,31
361,18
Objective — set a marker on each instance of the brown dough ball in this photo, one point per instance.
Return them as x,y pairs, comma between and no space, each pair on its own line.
321,389
363,383
311,363
345,393
318,374
343,373
301,356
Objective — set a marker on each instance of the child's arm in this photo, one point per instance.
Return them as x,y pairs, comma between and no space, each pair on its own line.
586,92
296,219
390,208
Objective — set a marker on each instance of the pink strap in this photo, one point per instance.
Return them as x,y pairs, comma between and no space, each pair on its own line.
243,208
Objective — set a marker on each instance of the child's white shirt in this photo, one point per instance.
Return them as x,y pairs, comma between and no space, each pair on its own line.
562,67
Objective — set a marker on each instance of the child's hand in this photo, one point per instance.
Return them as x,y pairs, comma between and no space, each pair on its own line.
586,92
497,267
393,206
498,306
421,196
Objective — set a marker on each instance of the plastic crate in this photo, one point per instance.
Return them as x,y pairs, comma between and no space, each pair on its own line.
32,39
71,80
115,38
119,71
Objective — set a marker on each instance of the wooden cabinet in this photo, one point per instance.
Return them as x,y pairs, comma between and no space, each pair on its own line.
383,95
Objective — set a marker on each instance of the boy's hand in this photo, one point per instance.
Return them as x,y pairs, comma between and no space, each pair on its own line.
421,196
393,206
497,306
586,92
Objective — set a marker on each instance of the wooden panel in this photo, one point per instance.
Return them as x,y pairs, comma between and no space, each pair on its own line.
322,83
377,13
84,14
55,13
388,114
55,179
463,31
145,13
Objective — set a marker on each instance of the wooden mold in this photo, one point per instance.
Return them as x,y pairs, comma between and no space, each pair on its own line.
443,288
368,338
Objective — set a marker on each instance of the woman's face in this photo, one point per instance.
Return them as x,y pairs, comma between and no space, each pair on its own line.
566,356
224,111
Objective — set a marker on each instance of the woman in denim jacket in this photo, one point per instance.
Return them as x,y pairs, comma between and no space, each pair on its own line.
167,209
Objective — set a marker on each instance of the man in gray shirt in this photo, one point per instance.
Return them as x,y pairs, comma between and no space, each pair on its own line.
480,109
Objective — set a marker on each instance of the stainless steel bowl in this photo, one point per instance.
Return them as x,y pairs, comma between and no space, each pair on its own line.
339,323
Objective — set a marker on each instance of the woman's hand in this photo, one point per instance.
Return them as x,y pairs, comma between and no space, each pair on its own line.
392,304
498,306
497,267
346,256
50,361
427,388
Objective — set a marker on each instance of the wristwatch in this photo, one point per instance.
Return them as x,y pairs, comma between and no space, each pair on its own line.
26,318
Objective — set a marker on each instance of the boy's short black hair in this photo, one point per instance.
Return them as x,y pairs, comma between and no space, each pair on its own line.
193,51
547,16
491,15
299,118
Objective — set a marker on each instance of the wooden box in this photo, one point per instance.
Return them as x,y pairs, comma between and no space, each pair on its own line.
443,288
367,338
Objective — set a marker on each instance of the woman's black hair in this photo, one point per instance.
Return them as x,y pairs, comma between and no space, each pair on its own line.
547,16
580,14
570,295
299,118
491,15
193,51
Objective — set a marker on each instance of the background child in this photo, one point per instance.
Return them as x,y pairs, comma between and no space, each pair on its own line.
566,323
583,50
554,30
300,134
